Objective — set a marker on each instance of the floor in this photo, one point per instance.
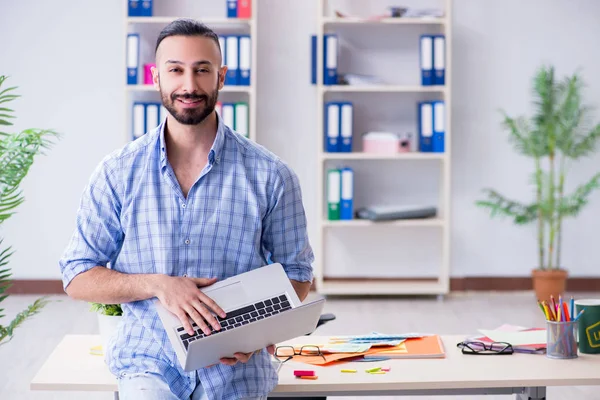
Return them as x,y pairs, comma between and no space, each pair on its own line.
455,314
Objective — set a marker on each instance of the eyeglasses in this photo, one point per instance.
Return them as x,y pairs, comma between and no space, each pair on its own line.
480,348
290,352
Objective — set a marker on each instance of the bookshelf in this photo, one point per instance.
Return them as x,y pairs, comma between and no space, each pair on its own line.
214,15
361,257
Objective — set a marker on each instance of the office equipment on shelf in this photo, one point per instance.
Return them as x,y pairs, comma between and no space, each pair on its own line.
346,127
339,125
140,8
330,59
245,60
152,115
241,9
228,110
232,59
426,60
425,126
148,73
396,212
146,116
359,79
241,125
347,194
334,184
439,122
133,58
138,121
439,59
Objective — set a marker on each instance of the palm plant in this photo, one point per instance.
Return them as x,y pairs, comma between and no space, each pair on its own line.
17,152
558,133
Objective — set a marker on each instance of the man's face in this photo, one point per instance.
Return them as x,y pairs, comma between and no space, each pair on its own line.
188,75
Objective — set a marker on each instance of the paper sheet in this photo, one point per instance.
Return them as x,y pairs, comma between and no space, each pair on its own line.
516,338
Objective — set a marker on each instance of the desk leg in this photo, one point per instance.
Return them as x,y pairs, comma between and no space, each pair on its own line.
533,393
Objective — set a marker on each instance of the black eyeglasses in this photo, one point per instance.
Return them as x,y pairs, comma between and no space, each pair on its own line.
290,352
480,348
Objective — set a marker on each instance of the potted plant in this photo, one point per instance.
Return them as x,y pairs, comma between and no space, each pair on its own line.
558,133
17,152
109,317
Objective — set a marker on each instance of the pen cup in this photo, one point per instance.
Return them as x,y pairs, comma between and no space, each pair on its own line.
560,340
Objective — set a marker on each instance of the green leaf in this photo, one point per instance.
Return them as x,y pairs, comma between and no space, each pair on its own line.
498,205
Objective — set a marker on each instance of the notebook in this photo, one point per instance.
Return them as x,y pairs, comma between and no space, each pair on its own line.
424,347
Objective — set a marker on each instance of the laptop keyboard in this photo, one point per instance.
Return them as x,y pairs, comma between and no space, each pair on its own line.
239,317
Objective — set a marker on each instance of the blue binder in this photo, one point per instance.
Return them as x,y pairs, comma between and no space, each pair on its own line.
244,59
330,59
347,194
313,59
133,8
332,126
232,57
133,58
426,60
425,126
146,8
232,9
439,59
439,124
346,127
138,120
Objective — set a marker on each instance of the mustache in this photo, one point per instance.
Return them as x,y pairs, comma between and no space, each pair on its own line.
189,96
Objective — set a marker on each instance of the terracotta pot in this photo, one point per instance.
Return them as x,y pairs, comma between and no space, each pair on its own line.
549,282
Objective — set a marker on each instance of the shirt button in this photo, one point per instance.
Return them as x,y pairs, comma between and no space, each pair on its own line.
183,205
187,241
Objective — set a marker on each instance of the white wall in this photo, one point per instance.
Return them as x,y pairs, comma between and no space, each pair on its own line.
67,59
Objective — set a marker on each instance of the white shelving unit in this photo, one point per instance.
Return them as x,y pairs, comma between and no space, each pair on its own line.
149,27
367,283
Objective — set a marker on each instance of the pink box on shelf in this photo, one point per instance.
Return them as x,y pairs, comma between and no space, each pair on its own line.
381,142
148,73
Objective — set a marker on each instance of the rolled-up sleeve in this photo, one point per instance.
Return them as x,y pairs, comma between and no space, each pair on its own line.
98,236
285,236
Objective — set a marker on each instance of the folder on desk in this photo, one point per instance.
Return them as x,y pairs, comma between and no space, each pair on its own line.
231,59
346,127
347,194
133,58
439,59
228,111
439,123
138,120
241,118
426,60
245,59
424,347
334,182
332,127
425,126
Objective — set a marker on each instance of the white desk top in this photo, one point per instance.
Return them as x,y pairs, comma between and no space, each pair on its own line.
72,367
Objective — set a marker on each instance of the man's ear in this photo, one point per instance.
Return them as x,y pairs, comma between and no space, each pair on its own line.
222,74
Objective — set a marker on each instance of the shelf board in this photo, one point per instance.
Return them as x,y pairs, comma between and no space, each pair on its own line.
207,21
377,156
360,223
383,21
391,286
150,88
383,88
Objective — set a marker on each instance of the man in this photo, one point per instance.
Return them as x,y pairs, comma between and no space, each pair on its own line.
187,204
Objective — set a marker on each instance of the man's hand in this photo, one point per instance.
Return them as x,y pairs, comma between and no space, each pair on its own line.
181,296
244,357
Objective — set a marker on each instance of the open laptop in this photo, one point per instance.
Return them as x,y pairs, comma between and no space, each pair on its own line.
262,309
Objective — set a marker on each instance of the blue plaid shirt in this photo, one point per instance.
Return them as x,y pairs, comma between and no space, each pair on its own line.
244,212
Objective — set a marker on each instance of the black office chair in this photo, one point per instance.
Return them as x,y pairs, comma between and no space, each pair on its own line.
323,319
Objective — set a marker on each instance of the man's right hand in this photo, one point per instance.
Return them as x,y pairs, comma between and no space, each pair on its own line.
181,296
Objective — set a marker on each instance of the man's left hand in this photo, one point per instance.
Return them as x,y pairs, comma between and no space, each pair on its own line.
243,357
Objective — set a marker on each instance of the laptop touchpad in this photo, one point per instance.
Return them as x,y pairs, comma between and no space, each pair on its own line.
230,296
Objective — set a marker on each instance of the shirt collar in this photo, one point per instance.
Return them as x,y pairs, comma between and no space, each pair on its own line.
214,155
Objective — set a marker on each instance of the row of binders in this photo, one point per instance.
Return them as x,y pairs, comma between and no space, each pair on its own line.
235,8
237,55
148,115
432,59
339,124
340,194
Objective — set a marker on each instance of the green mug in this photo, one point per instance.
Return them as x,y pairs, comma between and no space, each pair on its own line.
588,325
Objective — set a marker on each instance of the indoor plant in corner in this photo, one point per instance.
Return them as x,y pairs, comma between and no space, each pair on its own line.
557,134
17,152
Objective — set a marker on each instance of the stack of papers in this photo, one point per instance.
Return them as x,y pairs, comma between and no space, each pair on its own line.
523,340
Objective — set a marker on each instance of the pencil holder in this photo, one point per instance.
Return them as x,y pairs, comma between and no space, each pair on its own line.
561,342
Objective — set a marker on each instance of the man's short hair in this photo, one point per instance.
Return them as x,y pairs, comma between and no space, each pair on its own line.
187,27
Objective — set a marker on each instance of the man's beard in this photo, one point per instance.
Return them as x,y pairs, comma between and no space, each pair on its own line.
190,116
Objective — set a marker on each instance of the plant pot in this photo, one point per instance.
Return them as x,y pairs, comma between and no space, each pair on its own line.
549,282
108,325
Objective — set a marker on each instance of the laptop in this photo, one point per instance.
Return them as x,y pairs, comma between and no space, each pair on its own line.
262,309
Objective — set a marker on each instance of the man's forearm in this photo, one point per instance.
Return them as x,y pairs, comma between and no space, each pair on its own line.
301,288
103,285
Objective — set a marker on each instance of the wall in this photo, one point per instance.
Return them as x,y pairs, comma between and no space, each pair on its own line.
67,59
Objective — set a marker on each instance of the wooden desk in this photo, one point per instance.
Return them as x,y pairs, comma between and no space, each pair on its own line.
70,367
